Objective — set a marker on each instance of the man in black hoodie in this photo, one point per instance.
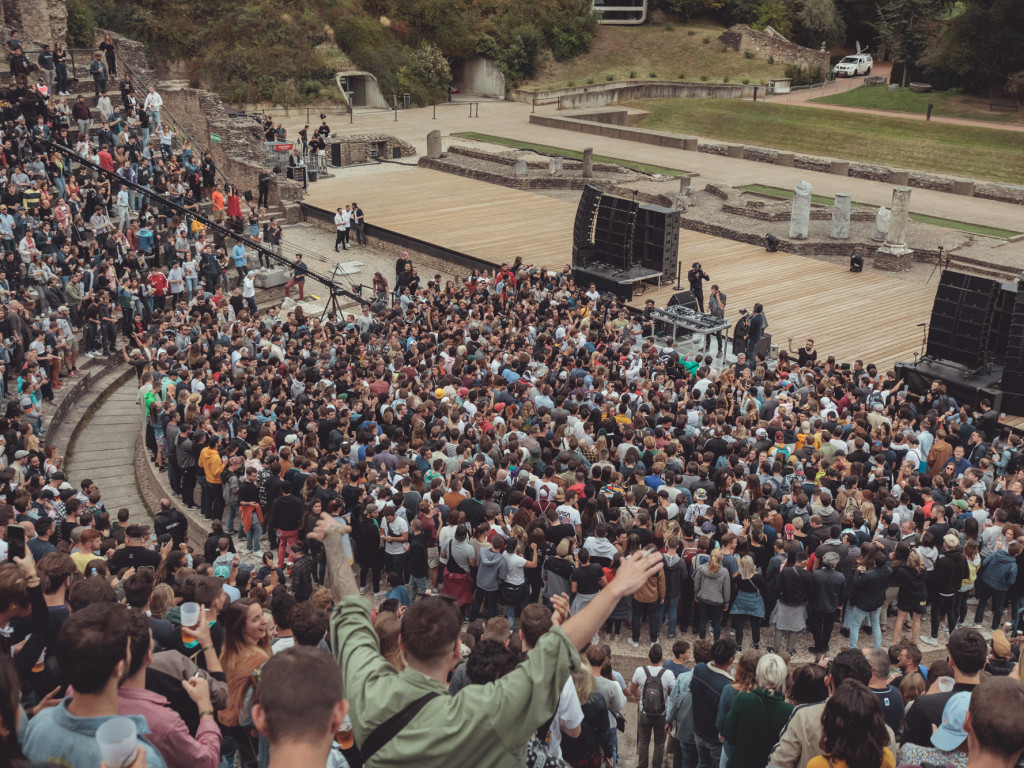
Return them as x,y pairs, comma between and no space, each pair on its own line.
949,573
185,455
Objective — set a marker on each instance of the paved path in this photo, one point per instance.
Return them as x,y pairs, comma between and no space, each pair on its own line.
104,452
511,120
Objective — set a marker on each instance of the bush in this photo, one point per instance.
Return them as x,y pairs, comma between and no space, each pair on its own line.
80,24
632,74
590,81
691,32
682,75
668,27
771,59
572,83
707,39
725,79
609,78
745,81
803,76
652,74
703,78
748,54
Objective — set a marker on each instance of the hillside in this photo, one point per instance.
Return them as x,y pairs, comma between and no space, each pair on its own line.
668,51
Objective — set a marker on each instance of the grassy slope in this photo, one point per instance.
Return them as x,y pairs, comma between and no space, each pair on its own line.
953,149
665,49
905,100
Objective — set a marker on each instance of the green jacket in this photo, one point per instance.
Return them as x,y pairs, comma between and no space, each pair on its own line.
760,716
73,293
485,725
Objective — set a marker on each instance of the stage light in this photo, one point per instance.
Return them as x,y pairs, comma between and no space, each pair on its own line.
772,243
856,262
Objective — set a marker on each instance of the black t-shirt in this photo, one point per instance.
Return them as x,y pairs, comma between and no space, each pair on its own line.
133,557
646,535
892,706
418,554
555,533
588,578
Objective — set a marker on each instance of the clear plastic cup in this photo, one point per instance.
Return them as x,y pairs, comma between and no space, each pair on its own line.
946,684
117,741
189,620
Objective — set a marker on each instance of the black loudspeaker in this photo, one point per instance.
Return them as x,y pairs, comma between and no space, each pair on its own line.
613,232
336,155
961,319
583,226
1012,382
999,333
683,299
247,195
656,239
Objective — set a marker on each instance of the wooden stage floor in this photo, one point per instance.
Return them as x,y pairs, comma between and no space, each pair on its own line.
870,316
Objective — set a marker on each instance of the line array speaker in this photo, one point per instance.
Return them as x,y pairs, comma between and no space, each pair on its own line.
656,239
586,211
961,319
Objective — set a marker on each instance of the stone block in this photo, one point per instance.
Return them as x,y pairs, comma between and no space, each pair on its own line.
521,168
690,143
899,177
839,168
784,159
272,278
735,150
555,165
963,187
800,215
588,163
840,228
434,145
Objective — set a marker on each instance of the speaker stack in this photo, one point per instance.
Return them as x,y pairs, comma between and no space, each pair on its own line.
583,227
613,233
656,239
1013,359
961,319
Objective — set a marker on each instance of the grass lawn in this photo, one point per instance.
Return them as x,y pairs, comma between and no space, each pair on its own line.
664,51
905,100
958,150
921,218
571,153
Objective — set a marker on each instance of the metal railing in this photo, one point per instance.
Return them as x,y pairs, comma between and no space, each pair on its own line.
78,65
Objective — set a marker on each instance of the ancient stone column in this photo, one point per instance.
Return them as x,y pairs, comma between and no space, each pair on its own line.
588,163
881,225
555,165
434,145
897,236
800,218
841,217
521,169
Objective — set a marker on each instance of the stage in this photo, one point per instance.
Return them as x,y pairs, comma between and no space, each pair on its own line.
870,316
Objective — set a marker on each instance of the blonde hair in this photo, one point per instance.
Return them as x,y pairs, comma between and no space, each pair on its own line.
747,567
388,626
583,681
715,563
163,598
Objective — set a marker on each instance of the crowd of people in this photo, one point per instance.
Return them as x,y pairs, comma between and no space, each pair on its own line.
456,502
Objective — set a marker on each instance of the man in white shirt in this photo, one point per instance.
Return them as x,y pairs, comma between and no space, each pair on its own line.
341,227
651,724
152,105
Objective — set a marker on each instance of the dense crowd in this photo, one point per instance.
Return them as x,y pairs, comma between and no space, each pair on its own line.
521,446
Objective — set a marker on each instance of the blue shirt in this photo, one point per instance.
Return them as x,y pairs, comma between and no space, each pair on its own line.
238,254
400,593
57,736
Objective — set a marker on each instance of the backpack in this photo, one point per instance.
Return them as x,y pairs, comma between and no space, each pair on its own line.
652,697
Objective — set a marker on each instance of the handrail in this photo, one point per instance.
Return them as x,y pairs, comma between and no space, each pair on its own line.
336,290
181,130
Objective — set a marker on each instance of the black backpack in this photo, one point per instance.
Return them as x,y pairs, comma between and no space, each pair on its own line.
652,698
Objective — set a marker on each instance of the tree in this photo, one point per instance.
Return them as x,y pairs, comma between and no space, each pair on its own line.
985,43
905,26
818,21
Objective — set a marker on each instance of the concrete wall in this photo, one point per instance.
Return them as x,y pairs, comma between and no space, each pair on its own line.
359,148
480,76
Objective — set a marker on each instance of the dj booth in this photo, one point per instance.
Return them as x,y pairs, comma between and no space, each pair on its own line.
690,320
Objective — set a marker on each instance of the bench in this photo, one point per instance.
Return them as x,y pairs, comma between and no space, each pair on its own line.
1004,104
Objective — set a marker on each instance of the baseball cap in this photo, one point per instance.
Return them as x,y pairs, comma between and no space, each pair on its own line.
20,455
762,432
779,437
439,393
707,527
1000,645
222,572
790,531
951,734
463,391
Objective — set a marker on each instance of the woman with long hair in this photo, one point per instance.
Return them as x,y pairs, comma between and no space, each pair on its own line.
759,713
388,626
853,733
912,597
712,588
593,746
246,647
749,602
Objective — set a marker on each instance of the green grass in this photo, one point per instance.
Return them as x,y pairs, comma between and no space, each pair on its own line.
571,153
978,229
957,150
619,50
904,100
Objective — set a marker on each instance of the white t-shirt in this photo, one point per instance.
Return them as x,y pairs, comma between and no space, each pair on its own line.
516,564
395,527
568,514
668,678
283,644
569,713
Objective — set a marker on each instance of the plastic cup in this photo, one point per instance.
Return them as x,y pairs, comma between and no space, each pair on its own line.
344,736
116,739
189,619
946,684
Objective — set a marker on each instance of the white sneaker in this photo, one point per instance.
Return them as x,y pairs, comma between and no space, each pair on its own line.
928,640
378,594
257,553
362,590
632,642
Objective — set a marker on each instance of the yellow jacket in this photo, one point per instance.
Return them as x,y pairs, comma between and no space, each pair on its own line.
209,460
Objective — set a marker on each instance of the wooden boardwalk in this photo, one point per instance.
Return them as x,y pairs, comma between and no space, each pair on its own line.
870,316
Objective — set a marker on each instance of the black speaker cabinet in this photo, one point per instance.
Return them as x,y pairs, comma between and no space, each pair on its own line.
336,155
683,299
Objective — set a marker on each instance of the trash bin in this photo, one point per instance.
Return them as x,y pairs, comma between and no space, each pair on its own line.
406,101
